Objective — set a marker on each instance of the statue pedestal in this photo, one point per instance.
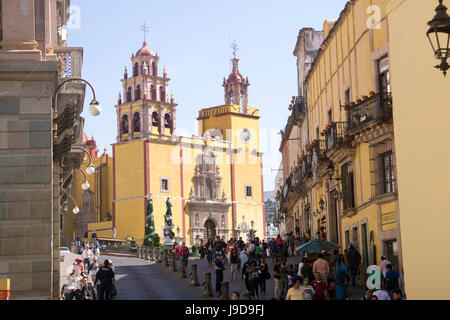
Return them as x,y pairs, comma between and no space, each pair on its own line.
168,240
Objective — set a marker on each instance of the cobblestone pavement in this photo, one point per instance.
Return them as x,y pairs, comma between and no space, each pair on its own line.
138,279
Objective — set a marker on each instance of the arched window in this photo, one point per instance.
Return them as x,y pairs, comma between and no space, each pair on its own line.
162,94
167,121
153,91
154,69
124,124
155,119
137,122
129,94
137,93
230,95
136,69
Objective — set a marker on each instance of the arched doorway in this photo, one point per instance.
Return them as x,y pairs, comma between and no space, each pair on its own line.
210,230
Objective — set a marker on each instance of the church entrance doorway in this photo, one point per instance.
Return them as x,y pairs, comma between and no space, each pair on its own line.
210,230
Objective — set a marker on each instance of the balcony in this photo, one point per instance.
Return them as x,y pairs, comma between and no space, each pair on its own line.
375,108
317,152
299,110
70,62
336,135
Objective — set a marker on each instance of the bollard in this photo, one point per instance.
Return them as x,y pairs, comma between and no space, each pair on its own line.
182,270
142,252
166,258
152,254
139,252
158,254
194,278
145,253
246,296
173,262
207,291
225,291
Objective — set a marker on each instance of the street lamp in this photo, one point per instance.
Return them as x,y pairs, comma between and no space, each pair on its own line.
439,36
85,185
75,210
90,169
330,171
94,106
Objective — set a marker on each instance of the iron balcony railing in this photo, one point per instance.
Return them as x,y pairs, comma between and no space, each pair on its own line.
70,61
317,151
335,135
377,107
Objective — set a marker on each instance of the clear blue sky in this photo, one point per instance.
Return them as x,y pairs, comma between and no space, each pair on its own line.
192,39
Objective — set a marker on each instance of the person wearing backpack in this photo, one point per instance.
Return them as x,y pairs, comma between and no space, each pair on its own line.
253,276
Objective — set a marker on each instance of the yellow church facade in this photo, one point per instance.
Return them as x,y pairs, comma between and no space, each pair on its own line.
213,180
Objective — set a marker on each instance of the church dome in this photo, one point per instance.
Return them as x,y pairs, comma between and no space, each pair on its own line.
144,51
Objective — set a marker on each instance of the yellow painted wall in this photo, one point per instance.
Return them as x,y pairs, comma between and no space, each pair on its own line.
347,63
129,175
421,114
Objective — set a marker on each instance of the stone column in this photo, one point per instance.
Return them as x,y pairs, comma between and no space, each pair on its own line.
19,41
182,270
207,291
194,277
145,252
224,291
173,263
152,254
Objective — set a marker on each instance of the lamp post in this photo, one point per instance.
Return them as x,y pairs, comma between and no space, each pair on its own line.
94,106
75,210
439,36
90,169
85,185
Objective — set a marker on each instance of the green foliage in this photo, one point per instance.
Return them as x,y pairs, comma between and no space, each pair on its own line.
155,240
196,248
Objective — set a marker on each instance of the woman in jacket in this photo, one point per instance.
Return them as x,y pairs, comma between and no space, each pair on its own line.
264,274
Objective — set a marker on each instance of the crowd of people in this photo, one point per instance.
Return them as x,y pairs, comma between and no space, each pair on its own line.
89,279
321,275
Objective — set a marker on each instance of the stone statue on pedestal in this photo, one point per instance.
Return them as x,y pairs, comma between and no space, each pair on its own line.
169,235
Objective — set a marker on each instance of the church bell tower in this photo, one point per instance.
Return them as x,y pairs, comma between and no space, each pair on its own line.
144,109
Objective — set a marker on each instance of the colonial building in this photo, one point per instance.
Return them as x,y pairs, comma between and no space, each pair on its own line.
40,125
351,156
421,110
295,197
213,180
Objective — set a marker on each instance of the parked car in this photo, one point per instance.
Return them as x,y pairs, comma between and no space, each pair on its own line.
64,249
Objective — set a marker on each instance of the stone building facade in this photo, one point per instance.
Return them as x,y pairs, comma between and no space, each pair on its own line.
36,136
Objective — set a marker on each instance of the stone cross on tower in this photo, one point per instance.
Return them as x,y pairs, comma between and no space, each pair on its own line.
145,30
235,48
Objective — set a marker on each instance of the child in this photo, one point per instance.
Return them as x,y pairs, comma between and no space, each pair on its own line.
308,290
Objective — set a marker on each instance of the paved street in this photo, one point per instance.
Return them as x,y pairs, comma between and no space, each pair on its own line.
137,279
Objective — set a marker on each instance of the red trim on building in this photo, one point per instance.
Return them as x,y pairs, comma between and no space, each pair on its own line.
182,194
262,199
146,179
114,185
233,192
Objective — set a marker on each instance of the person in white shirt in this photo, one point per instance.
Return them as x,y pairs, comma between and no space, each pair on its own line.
87,256
300,266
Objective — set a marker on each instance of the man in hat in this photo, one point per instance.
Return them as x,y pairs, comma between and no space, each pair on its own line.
87,256
104,280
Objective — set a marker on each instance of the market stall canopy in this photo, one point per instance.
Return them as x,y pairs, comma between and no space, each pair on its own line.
318,245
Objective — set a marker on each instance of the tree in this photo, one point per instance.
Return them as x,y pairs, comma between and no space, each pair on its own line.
149,225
